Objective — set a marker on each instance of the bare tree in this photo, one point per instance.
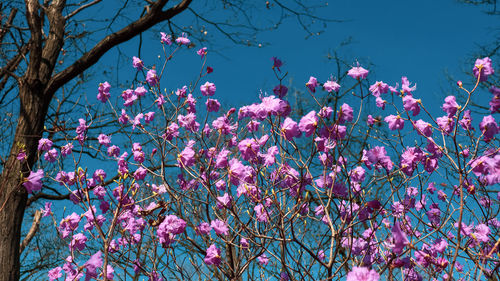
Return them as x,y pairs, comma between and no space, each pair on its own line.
43,48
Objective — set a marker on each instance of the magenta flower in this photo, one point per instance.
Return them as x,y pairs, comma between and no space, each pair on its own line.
224,201
325,112
203,228
78,242
423,128
280,91
331,86
489,128
345,114
208,89
248,149
378,156
202,52
55,273
308,123
362,274
495,100
51,155
358,72
261,213
312,84
213,256
220,227
277,63
466,121
213,105
411,104
244,243
104,140
379,88
140,91
450,105
186,157
405,87
482,232
34,181
400,239
137,63
290,129
263,259
370,120
395,122
380,102
140,173
44,144
446,124
167,39
152,78
103,92
148,117
483,68
183,40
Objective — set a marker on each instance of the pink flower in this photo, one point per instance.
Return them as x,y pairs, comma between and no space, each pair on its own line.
312,84
202,52
379,88
263,259
345,114
224,201
213,105
186,157
44,145
203,228
358,72
78,242
331,86
400,239
423,128
450,105
103,92
362,274
483,68
308,123
220,227
104,140
261,213
290,129
405,87
148,117
152,78
395,122
280,91
34,181
248,149
51,155
445,123
489,128
55,273
213,256
140,91
277,63
411,104
167,39
380,102
208,89
137,63
183,40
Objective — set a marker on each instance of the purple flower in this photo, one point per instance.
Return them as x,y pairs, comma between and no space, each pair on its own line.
280,91
150,116
331,86
186,157
261,213
263,259
208,89
78,242
220,227
202,52
405,87
137,63
248,149
55,273
379,88
93,264
224,201
380,103
445,123
152,78
171,226
140,91
483,69
203,228
244,243
212,105
358,72
104,140
495,100
312,84
290,129
466,121
378,156
489,128
44,144
213,256
103,92
411,104
400,239
321,255
140,173
395,122
308,123
423,128
277,63
362,274
34,181
183,40
450,105
51,155
345,114
167,39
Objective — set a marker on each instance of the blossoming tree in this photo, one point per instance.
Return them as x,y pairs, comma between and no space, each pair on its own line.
187,190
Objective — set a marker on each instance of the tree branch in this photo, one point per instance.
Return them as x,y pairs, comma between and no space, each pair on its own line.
32,232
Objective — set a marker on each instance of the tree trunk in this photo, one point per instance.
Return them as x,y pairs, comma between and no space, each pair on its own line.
13,195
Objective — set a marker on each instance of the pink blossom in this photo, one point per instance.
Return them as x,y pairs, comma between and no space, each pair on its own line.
345,114
263,259
450,105
34,181
423,128
183,40
152,78
483,68
445,123
167,39
358,72
103,92
44,144
290,129
308,123
208,89
331,86
379,88
489,128
137,63
202,52
312,84
212,105
405,87
220,227
411,104
395,122
280,91
213,256
362,274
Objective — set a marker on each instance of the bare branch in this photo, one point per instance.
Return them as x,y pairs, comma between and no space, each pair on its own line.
32,232
81,8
